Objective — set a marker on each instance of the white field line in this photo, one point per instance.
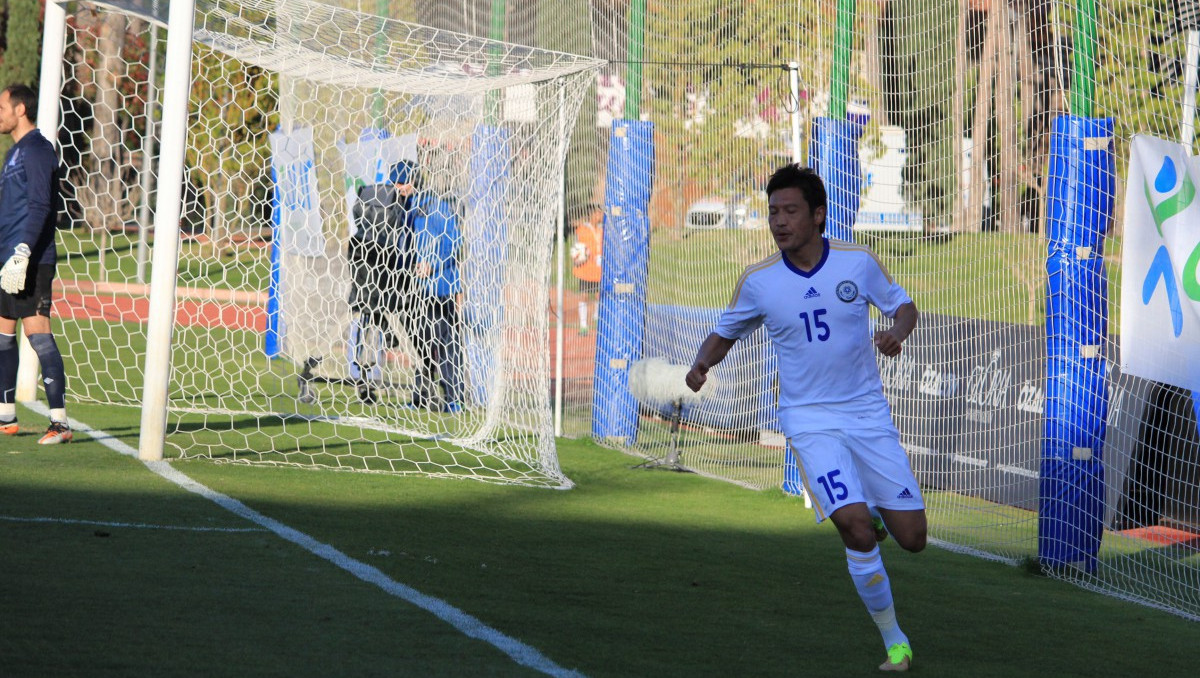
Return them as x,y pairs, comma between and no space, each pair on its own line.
470,626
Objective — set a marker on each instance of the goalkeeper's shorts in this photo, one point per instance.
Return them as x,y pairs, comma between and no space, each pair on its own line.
35,299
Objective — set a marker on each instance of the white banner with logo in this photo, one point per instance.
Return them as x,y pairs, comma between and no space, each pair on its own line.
299,230
1160,288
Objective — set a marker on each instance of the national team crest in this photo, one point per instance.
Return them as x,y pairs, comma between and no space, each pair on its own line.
847,291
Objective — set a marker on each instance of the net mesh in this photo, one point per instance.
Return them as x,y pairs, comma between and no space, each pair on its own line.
331,313
955,106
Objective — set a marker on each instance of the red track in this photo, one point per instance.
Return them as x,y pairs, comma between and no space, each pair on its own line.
116,302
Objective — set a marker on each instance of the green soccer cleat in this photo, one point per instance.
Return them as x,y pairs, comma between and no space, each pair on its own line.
881,532
899,658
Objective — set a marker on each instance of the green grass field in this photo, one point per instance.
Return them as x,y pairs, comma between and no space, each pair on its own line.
111,570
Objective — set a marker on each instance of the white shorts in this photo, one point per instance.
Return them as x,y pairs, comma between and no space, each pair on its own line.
848,467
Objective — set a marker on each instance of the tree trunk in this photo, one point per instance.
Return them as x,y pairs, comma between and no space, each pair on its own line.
979,127
106,125
1009,155
958,115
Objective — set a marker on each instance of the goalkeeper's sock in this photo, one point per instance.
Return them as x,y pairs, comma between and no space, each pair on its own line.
875,590
9,361
54,377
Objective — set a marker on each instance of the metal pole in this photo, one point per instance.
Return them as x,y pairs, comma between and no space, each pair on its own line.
495,32
794,87
168,205
379,103
839,79
1084,81
561,237
1187,130
633,74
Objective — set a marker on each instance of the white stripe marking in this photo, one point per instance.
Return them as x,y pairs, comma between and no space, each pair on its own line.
470,626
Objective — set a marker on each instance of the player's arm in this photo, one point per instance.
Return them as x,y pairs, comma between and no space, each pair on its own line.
904,321
40,166
37,227
711,352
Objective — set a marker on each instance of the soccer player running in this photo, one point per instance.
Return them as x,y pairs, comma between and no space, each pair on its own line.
813,298
28,195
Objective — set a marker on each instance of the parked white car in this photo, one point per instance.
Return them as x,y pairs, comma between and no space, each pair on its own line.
715,213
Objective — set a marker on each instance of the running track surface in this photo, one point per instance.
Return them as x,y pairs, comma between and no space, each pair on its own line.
120,302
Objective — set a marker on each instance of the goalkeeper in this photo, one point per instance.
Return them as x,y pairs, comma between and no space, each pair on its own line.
29,194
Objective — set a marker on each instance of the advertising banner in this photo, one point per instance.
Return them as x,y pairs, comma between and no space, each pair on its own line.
298,207
1160,292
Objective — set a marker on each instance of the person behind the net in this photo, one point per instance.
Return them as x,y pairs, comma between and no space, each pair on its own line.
587,255
813,297
379,252
438,340
28,215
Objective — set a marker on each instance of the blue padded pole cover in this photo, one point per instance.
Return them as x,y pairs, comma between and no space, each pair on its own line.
484,242
833,153
628,182
271,343
1079,208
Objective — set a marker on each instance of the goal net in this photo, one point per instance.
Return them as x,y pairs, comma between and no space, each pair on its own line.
370,208
984,150
950,129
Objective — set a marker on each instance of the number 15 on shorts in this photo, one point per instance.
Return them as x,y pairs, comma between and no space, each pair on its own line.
835,489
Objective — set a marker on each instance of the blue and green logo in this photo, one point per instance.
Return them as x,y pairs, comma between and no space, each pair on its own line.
1180,193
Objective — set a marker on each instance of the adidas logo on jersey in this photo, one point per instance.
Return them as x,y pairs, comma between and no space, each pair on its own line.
904,494
812,293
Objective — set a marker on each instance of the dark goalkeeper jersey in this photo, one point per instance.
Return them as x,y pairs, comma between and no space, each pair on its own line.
28,195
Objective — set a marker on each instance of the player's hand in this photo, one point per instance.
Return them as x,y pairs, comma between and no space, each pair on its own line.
697,376
423,269
12,276
887,343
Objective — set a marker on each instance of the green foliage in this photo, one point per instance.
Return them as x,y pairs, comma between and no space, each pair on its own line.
22,55
233,110
918,89
20,61
1140,49
729,60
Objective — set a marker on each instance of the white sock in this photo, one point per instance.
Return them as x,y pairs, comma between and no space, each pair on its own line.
8,411
583,318
875,590
59,414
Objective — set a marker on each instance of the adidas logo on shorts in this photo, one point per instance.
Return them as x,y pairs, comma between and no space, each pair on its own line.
812,293
904,494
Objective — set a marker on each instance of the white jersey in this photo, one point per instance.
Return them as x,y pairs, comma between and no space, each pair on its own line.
820,326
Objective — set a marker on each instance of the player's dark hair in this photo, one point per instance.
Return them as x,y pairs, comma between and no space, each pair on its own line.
23,95
803,178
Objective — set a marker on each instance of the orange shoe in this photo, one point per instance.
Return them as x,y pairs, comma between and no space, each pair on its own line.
10,428
57,433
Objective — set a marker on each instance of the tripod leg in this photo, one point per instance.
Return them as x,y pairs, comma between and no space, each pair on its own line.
673,457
